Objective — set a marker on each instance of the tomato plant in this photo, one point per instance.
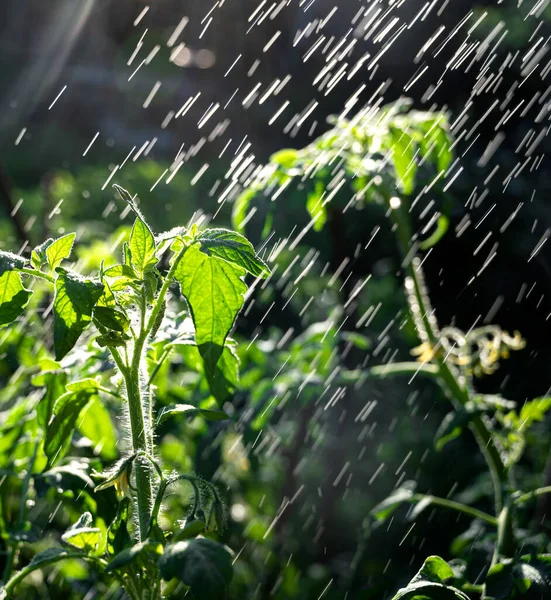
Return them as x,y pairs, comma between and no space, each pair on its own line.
125,307
379,153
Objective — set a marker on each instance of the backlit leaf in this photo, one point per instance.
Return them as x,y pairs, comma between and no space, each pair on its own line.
233,248
214,290
13,297
111,318
95,424
142,247
74,301
83,538
430,583
62,425
59,250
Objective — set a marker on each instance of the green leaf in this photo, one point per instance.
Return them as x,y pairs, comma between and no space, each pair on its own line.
285,158
384,509
202,564
223,379
83,538
117,535
533,411
134,554
9,262
55,388
74,301
111,318
142,247
83,384
59,250
430,583
240,207
120,271
233,248
315,207
38,255
13,297
96,425
403,157
527,578
62,425
190,530
214,290
451,428
190,411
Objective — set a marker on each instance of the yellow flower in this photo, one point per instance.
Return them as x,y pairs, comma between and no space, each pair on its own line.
120,480
425,352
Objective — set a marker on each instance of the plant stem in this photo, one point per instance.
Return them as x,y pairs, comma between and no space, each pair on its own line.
133,379
428,332
20,575
459,507
36,273
533,494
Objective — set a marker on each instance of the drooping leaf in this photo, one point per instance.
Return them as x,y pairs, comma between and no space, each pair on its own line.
233,248
190,411
13,296
118,537
96,425
430,583
142,247
111,318
62,425
74,301
10,261
202,564
223,379
55,387
214,290
59,250
83,538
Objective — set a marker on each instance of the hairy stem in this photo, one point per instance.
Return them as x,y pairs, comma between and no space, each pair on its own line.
131,372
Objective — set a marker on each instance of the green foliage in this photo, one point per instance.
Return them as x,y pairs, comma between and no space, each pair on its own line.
214,290
13,297
74,300
202,564
379,153
125,309
430,583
